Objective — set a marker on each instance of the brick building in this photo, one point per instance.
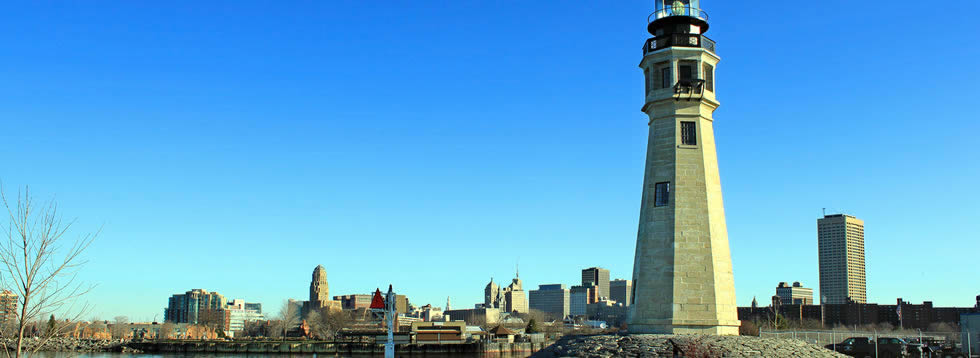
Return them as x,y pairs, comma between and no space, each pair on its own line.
914,316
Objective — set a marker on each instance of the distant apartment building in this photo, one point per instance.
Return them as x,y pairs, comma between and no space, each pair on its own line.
427,313
401,304
353,302
359,301
599,277
619,291
840,240
582,296
552,299
795,294
237,313
913,316
257,307
194,307
476,316
8,306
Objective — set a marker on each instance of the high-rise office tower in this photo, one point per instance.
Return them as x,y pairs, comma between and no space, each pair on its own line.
580,297
552,299
840,241
619,291
682,271
599,277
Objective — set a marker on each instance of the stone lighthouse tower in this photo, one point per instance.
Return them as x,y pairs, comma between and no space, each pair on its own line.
682,271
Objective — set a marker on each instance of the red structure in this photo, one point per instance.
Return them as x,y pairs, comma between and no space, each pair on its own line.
378,302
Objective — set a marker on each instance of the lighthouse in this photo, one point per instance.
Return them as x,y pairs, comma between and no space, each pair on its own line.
682,271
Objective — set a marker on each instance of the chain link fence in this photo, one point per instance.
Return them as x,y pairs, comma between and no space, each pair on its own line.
825,337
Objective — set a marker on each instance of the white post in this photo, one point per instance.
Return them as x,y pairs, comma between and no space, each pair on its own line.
920,341
390,317
969,346
876,343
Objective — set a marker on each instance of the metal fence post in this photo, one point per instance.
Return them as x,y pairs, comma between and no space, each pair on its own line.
876,343
969,346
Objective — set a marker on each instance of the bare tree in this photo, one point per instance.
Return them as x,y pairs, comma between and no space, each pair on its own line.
214,320
97,328
274,329
120,327
258,329
325,322
289,317
40,262
166,329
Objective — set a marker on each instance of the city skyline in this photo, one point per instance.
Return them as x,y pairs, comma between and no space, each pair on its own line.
234,154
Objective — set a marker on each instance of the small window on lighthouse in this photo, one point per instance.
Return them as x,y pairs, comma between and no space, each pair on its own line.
709,77
686,71
689,133
662,193
648,79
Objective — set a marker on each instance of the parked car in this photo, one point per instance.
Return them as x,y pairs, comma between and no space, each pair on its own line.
885,347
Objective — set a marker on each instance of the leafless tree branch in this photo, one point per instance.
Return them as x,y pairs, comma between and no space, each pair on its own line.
39,263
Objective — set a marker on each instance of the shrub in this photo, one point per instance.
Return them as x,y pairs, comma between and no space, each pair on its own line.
748,328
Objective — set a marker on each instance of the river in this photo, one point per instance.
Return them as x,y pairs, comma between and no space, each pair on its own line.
233,355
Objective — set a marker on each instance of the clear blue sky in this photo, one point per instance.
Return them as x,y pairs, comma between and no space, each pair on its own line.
233,146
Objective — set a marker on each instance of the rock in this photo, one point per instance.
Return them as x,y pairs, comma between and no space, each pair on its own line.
652,345
60,344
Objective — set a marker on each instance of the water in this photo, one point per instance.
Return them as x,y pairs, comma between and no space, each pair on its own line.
234,355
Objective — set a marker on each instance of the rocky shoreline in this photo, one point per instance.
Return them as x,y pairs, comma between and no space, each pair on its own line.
658,345
71,345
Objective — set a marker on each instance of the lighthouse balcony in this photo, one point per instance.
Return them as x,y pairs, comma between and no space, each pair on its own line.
680,40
